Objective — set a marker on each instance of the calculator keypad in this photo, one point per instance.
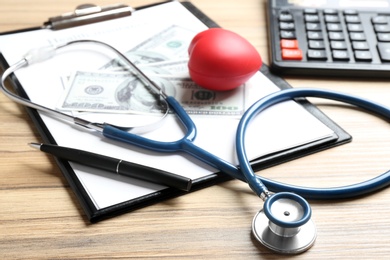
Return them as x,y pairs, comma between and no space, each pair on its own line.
326,28
331,36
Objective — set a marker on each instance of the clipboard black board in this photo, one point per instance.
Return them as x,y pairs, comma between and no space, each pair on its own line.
93,214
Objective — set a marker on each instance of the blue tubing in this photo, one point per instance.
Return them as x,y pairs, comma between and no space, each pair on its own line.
244,172
349,191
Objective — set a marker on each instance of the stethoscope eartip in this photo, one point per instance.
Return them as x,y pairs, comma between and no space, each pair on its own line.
284,224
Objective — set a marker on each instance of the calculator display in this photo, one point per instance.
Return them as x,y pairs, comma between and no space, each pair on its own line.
329,37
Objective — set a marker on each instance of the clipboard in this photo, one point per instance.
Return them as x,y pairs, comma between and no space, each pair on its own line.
92,14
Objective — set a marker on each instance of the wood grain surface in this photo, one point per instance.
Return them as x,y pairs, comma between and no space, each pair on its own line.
40,218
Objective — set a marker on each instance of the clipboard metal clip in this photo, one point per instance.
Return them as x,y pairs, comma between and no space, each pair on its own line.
86,14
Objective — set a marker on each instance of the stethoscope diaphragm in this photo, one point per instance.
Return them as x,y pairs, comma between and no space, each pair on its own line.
284,224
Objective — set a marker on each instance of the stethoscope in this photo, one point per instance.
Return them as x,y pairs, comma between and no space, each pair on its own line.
284,224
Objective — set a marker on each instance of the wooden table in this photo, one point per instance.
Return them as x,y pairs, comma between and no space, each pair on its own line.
40,218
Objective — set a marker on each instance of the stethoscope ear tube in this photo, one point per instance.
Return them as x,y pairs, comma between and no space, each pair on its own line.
47,52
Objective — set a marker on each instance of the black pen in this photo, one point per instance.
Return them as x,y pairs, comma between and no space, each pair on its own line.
117,166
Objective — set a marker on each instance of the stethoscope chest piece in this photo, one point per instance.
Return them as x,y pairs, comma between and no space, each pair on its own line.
284,224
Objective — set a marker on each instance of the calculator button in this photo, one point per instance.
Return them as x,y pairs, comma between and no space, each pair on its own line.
360,45
355,27
382,28
316,55
363,56
285,17
334,27
287,35
310,11
286,26
356,36
313,26
384,51
336,36
379,19
289,44
352,19
350,12
315,35
291,54
383,37
340,55
318,45
338,45
312,18
330,11
332,19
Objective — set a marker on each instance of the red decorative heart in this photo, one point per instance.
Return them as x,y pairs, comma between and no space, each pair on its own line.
221,59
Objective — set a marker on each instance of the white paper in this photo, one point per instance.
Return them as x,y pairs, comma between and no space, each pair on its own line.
278,128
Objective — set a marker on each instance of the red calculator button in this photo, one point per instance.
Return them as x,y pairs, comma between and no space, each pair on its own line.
291,54
289,44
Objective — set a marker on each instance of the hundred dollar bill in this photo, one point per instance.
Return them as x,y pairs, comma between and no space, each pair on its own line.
105,91
197,100
110,93
171,43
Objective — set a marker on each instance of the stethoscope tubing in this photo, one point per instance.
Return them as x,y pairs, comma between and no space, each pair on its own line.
342,192
184,144
245,173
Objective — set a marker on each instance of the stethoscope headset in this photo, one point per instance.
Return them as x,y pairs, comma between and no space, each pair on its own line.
284,223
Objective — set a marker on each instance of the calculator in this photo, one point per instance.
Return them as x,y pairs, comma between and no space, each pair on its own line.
348,38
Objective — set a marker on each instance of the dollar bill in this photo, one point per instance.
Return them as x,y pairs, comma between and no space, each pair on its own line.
197,100
171,43
173,67
178,68
108,93
121,92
